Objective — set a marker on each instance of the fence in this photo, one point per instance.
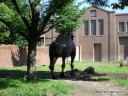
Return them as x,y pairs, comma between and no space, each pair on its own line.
12,55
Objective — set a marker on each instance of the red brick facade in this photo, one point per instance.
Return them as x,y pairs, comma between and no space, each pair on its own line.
111,45
12,55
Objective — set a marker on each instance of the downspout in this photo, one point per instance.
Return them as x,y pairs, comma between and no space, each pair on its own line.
108,36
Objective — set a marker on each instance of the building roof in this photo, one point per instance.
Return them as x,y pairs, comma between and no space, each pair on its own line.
117,14
121,14
102,9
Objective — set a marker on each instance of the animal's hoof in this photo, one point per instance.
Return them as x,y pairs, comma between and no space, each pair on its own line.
62,75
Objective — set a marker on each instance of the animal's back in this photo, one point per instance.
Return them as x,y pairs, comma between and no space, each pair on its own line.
62,48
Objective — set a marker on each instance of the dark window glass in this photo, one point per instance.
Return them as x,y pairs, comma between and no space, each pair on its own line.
101,26
86,27
93,13
121,26
41,41
93,27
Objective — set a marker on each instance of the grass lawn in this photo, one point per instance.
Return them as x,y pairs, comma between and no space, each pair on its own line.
105,67
17,87
13,79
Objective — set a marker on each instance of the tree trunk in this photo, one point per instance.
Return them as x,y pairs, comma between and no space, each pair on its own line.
31,61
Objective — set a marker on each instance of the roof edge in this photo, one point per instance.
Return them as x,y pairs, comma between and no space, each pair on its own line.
102,9
120,14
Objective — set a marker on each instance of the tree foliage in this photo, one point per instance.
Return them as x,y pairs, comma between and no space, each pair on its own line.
37,23
74,14
32,18
74,19
98,3
9,33
121,4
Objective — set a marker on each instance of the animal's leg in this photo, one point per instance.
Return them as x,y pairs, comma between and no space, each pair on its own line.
51,67
72,64
63,66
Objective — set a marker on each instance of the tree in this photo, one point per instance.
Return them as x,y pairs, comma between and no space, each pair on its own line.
70,24
8,29
121,4
37,16
73,21
98,3
36,22
4,25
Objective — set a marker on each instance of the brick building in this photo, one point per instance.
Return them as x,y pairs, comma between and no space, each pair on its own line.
103,36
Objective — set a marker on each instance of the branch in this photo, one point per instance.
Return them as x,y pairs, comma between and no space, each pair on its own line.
28,9
51,28
6,23
35,15
48,16
24,35
32,7
55,24
10,27
19,12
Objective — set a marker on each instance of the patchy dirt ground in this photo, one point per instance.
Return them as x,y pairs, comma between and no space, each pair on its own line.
94,88
85,86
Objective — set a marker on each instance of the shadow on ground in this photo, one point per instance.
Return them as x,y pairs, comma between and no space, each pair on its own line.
12,78
79,75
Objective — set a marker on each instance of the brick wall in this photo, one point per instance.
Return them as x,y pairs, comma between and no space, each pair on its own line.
12,55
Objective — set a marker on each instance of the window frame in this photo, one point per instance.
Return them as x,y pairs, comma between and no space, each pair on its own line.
120,30
86,29
92,32
41,40
99,27
93,13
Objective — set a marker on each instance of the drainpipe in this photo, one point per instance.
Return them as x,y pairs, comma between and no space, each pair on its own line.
109,37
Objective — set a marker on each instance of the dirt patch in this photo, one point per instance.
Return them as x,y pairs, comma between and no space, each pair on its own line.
93,88
86,86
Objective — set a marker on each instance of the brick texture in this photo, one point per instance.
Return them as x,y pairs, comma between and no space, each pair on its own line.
12,55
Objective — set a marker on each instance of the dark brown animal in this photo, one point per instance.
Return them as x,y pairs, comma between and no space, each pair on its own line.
63,47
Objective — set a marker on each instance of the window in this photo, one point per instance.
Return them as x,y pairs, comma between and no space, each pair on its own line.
101,26
86,27
93,27
41,40
93,13
121,26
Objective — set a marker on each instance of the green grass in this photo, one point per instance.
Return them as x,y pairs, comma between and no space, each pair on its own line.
12,87
14,84
120,82
102,67
105,67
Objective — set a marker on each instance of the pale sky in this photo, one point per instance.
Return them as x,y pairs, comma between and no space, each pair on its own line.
109,9
125,10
